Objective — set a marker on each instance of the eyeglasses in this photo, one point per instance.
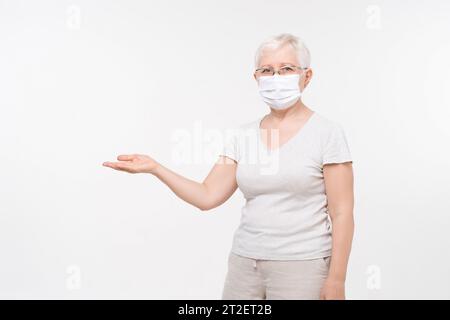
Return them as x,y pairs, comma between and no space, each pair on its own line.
283,71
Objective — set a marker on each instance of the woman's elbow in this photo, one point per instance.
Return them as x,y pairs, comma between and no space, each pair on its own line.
206,206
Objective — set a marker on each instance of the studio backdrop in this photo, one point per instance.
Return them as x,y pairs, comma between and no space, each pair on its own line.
84,81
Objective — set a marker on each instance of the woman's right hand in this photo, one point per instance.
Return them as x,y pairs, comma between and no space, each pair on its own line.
217,187
133,163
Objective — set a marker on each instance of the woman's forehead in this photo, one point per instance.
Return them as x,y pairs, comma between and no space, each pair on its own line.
278,57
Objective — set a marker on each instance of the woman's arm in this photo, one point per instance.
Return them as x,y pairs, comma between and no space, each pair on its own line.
216,188
339,188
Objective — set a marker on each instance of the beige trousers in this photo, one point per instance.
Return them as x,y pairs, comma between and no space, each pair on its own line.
252,279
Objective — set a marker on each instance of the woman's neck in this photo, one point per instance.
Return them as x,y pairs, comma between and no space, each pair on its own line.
298,110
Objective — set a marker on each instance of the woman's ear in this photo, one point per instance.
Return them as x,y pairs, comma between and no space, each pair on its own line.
307,77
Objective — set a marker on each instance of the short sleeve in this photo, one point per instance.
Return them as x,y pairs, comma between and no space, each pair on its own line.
336,148
230,146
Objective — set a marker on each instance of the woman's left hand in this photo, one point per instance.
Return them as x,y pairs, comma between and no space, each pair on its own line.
333,290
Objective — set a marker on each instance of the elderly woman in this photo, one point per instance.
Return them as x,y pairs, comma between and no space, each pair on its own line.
285,247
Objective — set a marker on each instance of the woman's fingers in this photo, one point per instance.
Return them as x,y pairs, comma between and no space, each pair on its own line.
124,166
131,163
126,157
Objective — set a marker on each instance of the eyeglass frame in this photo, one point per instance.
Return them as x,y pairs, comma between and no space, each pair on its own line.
278,71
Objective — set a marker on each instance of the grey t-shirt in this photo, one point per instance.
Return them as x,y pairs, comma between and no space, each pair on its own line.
285,215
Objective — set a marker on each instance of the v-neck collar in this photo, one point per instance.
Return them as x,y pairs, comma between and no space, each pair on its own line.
289,141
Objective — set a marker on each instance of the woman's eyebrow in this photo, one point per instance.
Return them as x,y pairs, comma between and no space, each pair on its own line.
281,63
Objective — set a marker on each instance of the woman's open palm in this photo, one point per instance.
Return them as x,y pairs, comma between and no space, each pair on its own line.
133,163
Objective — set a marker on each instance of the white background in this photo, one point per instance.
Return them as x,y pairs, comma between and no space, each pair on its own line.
84,81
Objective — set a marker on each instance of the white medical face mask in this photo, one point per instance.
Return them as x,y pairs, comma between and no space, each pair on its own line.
280,92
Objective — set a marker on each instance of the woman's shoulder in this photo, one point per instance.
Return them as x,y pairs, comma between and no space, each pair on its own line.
326,124
330,132
244,127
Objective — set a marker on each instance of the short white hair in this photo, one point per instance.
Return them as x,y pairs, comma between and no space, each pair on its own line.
281,40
